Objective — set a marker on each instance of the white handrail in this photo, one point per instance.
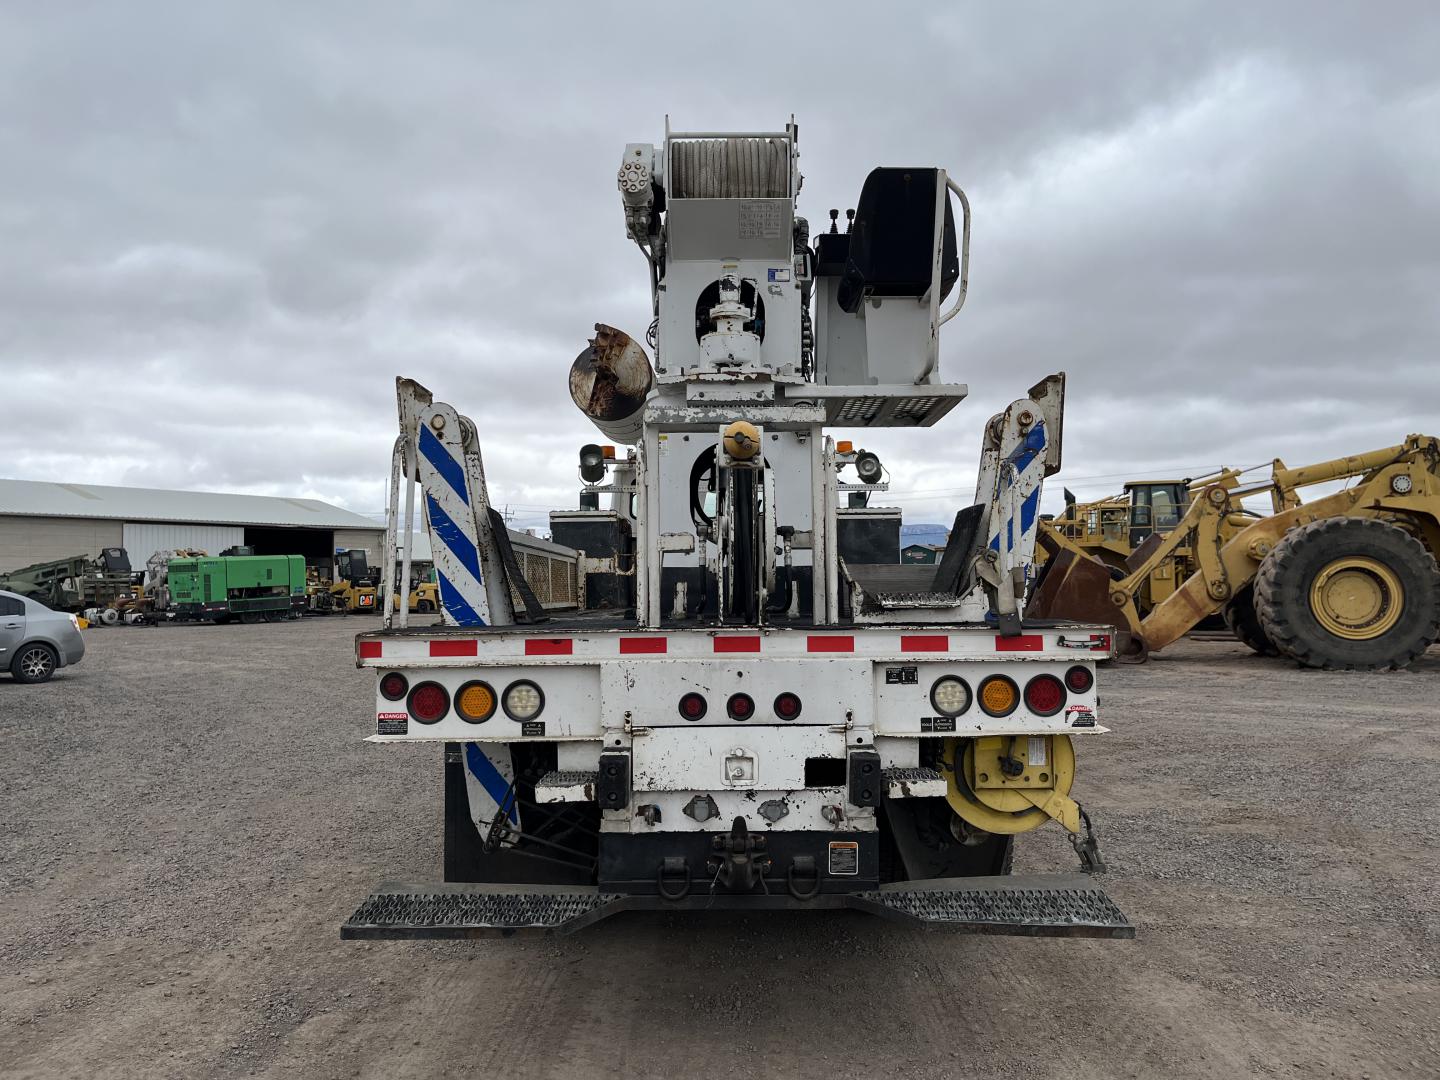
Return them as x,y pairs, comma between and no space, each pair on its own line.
964,252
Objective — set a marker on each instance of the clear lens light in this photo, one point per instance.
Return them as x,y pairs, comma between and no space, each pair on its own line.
522,701
950,696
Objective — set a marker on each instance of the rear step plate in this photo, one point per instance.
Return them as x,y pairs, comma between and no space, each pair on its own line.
460,910
1047,905
1041,905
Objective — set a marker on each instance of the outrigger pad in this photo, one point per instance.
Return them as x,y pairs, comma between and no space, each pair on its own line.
1047,905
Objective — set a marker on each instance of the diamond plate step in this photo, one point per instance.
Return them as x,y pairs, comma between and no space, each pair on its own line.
915,783
565,787
455,910
1053,905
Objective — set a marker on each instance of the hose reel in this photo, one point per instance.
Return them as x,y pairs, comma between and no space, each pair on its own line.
1010,784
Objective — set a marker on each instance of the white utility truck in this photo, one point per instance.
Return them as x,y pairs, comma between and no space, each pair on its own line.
748,712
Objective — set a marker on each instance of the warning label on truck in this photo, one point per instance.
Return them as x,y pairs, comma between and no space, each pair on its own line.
902,676
937,723
392,723
844,857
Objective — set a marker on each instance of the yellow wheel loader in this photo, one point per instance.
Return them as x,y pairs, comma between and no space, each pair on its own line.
1347,581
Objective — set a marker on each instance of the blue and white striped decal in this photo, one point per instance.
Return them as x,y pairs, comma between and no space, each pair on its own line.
488,776
450,517
1024,468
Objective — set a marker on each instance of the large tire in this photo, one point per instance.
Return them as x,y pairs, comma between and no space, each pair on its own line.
34,662
1351,594
1242,621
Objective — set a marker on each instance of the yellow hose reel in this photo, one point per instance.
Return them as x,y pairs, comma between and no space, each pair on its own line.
1011,784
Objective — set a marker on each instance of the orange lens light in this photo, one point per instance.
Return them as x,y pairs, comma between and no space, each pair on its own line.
999,695
475,702
844,446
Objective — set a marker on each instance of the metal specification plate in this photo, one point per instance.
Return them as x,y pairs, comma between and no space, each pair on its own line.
761,219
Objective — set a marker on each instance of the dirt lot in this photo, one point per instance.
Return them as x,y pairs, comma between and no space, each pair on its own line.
188,816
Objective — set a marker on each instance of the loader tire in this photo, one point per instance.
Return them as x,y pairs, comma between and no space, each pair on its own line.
1242,621
1349,594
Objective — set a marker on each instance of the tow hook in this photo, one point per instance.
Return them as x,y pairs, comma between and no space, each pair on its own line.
740,862
673,868
802,869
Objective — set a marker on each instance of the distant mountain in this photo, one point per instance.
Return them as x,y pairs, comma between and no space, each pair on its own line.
923,534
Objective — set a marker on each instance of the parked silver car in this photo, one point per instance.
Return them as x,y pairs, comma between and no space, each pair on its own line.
35,641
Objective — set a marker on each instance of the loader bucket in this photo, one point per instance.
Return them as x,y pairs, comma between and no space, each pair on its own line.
1075,586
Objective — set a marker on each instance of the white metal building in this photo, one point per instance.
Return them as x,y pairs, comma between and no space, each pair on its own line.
40,521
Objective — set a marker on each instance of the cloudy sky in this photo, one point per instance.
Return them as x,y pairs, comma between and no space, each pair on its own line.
223,234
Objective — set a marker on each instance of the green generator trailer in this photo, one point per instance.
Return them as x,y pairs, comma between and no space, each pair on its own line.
247,588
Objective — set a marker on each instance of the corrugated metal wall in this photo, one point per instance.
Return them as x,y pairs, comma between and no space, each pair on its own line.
26,540
143,538
373,542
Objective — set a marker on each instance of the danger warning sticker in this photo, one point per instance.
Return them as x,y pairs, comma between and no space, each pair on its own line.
392,723
844,857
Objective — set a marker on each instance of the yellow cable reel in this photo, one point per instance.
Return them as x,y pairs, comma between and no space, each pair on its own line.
1011,784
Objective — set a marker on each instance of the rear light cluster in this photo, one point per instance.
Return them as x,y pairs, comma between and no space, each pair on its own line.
740,707
394,686
429,702
1000,695
474,703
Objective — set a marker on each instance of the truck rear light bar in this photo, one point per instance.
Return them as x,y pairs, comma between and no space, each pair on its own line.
394,686
429,702
1045,695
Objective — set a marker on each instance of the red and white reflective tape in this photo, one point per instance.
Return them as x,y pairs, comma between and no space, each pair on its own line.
874,644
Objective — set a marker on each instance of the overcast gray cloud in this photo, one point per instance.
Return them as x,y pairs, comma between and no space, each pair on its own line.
223,233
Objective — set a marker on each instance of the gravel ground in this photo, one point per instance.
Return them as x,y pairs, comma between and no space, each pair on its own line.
187,817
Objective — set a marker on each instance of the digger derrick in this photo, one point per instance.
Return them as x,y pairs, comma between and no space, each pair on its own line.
754,711
1371,590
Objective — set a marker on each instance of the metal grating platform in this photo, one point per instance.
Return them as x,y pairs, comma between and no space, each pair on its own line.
900,601
1068,905
566,786
915,783
480,910
1058,905
885,405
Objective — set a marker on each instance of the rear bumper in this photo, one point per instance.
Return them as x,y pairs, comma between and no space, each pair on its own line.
1045,905
72,648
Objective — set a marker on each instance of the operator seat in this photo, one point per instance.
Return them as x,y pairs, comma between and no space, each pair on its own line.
892,242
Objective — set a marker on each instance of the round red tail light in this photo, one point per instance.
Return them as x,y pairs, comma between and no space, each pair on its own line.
1079,679
740,707
1044,695
393,686
429,702
787,706
692,706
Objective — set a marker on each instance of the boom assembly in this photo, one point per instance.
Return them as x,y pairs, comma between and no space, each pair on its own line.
756,716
